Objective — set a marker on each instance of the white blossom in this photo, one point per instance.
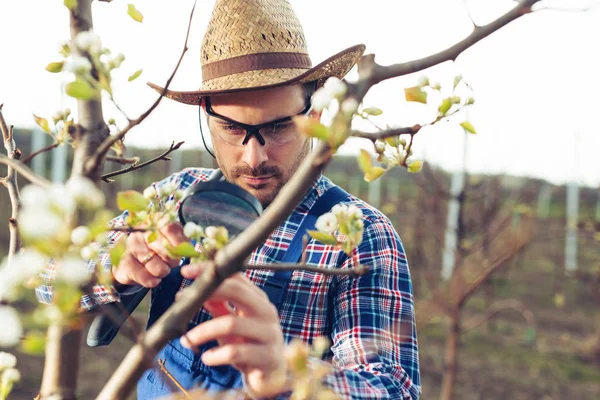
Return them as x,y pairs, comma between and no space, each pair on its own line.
340,211
380,146
35,196
327,223
349,106
336,87
211,232
149,193
167,189
7,360
90,251
192,230
321,99
169,205
354,212
77,65
60,201
73,270
39,224
10,376
85,193
88,41
12,330
81,235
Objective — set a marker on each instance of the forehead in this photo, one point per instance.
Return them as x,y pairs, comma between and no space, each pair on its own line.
258,106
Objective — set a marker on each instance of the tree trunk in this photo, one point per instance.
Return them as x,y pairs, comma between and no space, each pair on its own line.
62,363
451,356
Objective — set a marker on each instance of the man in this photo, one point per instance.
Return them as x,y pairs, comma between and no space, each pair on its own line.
256,70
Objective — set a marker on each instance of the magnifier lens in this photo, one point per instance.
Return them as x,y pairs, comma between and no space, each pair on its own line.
223,204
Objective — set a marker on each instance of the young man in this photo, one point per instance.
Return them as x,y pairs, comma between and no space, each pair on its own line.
256,70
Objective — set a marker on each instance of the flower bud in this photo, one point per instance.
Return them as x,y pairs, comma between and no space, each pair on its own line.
81,236
327,223
379,146
349,106
88,41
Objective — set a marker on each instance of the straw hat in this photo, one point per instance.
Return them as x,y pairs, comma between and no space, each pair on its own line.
258,44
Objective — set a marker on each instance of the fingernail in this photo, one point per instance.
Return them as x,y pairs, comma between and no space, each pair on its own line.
184,342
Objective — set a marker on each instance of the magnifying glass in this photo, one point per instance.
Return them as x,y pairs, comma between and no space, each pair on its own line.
214,202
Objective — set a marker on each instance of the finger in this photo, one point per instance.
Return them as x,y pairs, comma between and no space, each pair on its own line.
157,267
131,271
158,247
218,308
173,232
242,356
230,325
246,297
192,271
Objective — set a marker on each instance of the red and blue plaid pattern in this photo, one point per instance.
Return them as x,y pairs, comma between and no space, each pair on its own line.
370,319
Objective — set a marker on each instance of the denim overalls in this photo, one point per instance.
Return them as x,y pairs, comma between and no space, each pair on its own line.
185,365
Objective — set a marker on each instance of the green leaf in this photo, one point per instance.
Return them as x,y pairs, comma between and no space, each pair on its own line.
132,200
134,13
457,80
323,237
70,4
365,161
374,173
34,343
415,94
42,123
415,166
184,249
467,126
80,89
311,127
373,111
152,237
117,252
135,75
55,67
445,106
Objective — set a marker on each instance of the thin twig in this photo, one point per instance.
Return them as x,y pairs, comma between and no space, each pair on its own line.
161,362
387,133
133,167
565,9
107,144
408,148
25,171
355,271
123,160
47,148
128,229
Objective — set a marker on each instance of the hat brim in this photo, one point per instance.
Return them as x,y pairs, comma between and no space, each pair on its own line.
337,65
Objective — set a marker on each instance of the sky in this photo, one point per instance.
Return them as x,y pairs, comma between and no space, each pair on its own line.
536,82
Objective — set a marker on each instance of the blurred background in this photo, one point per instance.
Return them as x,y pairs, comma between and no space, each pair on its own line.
501,229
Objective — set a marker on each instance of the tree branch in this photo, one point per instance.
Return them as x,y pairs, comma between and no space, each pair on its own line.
381,73
356,271
123,160
47,148
10,182
94,161
25,171
133,167
495,309
387,133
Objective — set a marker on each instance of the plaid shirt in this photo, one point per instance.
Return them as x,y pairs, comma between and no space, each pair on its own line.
370,319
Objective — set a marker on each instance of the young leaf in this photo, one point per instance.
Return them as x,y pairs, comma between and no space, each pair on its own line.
312,128
80,89
42,123
373,111
445,106
184,249
374,173
70,4
134,13
365,162
132,200
34,343
457,80
55,67
415,94
415,166
323,237
467,126
135,75
117,252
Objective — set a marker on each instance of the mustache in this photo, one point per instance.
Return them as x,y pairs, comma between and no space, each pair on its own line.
261,170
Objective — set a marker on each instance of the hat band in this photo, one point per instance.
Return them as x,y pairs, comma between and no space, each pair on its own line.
253,62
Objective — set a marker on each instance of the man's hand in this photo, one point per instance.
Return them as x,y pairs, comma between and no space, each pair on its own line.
246,326
147,263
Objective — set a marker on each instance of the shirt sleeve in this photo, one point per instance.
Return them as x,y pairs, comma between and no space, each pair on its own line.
375,353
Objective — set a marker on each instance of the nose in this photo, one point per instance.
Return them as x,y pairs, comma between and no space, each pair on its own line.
254,153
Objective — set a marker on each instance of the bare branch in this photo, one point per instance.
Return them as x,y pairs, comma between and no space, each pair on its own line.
94,161
380,73
495,309
566,9
133,167
469,13
356,271
47,148
128,229
387,133
25,171
123,160
161,363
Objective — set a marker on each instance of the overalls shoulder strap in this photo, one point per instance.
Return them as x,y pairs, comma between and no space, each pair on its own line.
276,285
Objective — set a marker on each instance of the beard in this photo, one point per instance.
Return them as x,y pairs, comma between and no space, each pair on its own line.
266,192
